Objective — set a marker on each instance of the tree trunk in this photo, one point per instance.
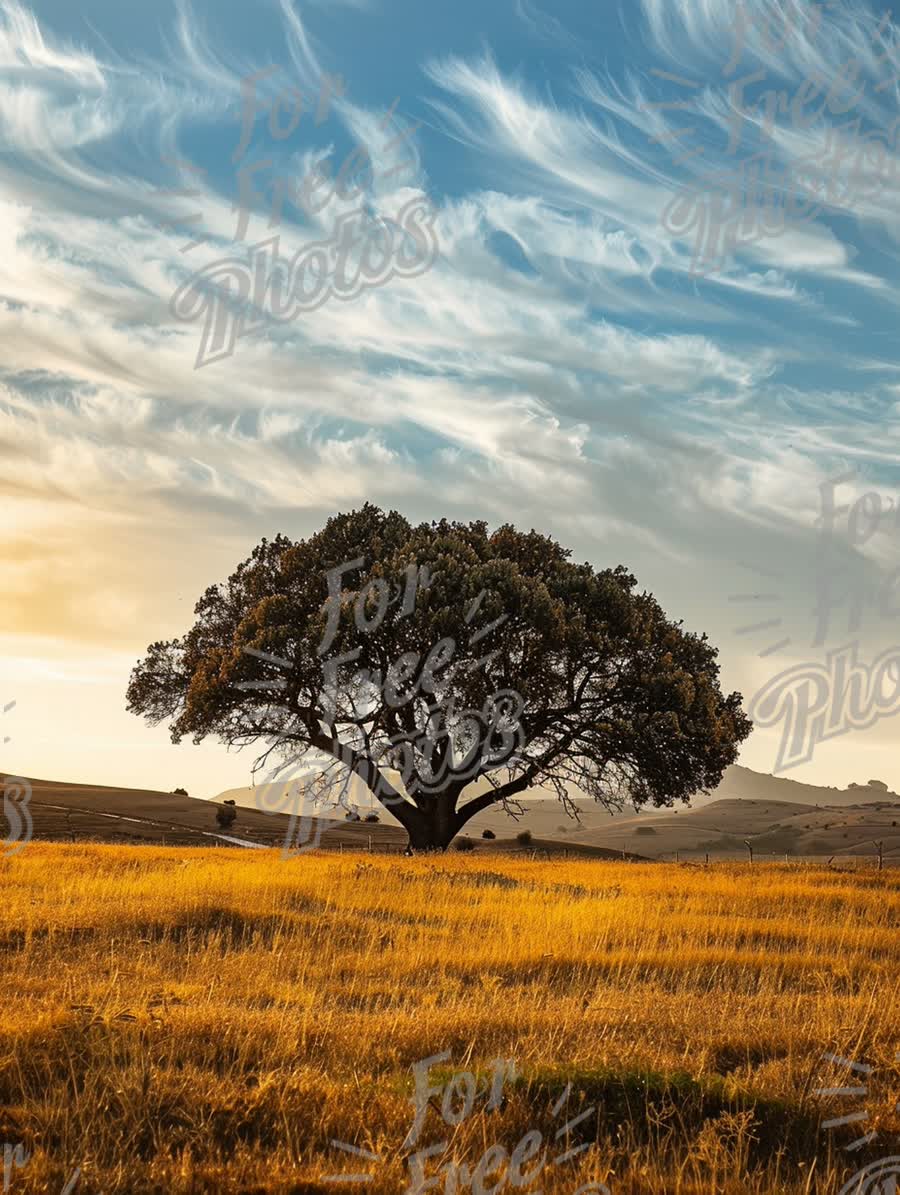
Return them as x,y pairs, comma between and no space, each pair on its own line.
435,826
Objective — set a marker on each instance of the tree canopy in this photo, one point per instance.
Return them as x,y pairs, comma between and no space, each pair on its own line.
443,659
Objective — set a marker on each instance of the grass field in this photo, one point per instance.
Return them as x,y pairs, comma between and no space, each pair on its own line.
194,1020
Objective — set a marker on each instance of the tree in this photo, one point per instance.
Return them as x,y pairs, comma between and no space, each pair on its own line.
226,816
179,792
343,648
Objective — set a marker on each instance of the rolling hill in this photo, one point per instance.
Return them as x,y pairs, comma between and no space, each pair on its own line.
69,812
780,817
773,829
767,811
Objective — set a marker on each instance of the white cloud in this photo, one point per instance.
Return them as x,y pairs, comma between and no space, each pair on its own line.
557,367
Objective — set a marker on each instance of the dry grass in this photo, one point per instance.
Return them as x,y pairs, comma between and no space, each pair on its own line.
188,1020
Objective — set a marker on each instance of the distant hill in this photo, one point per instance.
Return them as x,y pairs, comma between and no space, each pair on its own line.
66,812
778,816
63,811
773,828
746,785
545,817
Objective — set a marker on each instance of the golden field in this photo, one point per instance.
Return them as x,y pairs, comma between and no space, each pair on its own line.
210,1020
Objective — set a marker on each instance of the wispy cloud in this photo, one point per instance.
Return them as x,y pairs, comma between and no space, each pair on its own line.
558,366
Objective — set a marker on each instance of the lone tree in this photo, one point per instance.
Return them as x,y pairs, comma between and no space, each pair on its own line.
226,815
450,669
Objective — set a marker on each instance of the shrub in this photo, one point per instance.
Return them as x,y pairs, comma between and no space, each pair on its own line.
226,816
179,792
351,816
371,817
524,838
464,844
491,834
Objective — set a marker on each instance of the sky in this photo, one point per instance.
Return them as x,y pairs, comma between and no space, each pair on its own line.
574,357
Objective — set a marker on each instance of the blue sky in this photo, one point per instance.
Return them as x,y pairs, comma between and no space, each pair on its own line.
560,366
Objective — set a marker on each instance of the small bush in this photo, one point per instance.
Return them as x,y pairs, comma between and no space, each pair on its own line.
371,817
491,834
179,792
464,844
226,816
524,838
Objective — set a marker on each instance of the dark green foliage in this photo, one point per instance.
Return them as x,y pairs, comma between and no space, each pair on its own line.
618,699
